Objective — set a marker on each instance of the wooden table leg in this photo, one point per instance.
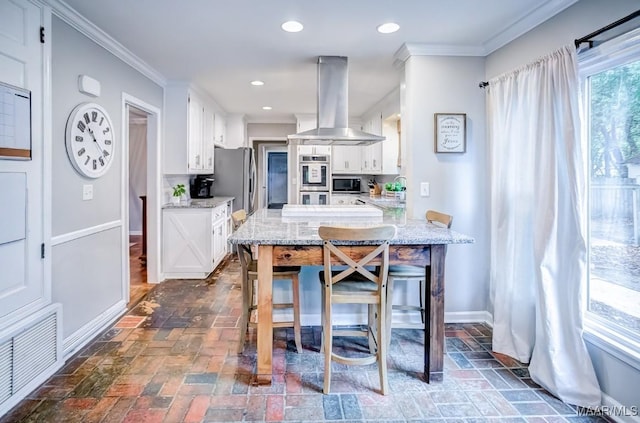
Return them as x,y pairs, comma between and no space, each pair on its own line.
434,324
265,316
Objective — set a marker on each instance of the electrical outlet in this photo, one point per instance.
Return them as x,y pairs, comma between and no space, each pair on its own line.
424,189
87,192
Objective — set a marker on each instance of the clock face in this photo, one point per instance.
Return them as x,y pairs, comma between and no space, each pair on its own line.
90,140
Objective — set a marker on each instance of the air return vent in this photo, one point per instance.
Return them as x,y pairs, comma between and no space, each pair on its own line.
6,379
29,353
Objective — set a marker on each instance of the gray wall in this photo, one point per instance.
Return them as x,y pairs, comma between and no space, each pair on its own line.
617,379
268,130
87,272
458,182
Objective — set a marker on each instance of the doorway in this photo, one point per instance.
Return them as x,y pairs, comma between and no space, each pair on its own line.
138,286
141,216
276,178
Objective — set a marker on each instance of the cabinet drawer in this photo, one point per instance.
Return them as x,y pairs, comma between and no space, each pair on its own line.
219,213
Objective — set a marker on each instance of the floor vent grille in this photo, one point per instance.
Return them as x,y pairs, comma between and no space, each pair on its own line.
28,352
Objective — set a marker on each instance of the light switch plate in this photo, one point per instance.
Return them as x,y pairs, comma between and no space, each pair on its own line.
87,192
424,189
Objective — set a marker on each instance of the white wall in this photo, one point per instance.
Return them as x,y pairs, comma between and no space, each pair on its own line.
617,379
458,182
87,271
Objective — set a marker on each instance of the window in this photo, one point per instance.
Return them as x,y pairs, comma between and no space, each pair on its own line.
611,75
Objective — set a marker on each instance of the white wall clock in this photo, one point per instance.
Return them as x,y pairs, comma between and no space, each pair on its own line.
90,140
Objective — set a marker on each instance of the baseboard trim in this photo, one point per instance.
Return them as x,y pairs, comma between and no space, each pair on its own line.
88,332
469,317
612,404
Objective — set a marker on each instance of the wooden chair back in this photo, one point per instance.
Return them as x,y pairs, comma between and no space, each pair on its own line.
238,217
441,218
382,234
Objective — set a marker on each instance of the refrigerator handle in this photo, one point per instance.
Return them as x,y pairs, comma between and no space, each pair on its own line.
252,180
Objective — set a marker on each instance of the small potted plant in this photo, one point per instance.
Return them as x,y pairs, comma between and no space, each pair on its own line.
178,191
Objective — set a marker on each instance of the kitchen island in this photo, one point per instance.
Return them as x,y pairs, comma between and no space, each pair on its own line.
294,241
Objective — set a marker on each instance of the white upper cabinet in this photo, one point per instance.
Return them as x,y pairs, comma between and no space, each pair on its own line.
372,154
346,159
382,158
324,150
220,130
190,131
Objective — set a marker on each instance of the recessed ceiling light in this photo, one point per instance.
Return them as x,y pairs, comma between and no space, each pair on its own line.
257,82
388,28
266,107
292,26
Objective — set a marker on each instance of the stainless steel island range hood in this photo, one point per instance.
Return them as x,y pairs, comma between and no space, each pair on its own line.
333,111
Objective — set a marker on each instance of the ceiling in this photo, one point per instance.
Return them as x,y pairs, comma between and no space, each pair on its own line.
222,45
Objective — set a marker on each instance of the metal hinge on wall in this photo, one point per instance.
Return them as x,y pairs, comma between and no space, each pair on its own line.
42,250
42,34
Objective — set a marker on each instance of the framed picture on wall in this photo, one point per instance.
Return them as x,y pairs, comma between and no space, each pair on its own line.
450,132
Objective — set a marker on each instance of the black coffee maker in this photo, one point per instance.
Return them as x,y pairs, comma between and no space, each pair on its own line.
202,186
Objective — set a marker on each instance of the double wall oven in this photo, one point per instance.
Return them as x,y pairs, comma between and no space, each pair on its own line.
315,179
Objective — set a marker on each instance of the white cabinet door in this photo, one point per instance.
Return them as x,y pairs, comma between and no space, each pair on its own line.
314,150
208,139
372,154
220,130
187,243
372,158
189,132
219,234
195,134
346,159
219,242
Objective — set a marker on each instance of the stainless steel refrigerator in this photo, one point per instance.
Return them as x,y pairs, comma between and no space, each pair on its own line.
235,176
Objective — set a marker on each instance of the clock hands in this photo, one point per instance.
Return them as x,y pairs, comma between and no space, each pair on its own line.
97,144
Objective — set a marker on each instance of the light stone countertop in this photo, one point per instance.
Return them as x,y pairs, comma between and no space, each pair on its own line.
268,227
382,202
199,203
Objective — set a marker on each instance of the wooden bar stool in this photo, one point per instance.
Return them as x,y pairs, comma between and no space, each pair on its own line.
416,273
356,284
249,282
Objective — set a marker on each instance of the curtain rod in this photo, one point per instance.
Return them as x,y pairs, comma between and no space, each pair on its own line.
586,38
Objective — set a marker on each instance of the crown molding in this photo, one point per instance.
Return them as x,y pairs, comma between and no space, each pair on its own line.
419,49
526,23
97,35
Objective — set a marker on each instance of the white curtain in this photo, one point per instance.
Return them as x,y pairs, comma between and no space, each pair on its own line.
538,247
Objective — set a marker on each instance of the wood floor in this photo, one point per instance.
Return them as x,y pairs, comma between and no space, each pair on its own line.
138,270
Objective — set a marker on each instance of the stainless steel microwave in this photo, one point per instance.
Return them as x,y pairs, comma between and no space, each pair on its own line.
345,185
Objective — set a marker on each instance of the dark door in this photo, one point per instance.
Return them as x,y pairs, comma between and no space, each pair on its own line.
276,179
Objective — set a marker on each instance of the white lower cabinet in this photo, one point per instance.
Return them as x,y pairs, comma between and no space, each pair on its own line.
193,241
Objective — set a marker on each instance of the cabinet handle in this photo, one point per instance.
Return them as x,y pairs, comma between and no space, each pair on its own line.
374,163
346,165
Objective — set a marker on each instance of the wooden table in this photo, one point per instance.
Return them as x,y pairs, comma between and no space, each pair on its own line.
281,244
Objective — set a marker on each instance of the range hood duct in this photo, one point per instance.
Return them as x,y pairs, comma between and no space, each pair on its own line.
333,111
